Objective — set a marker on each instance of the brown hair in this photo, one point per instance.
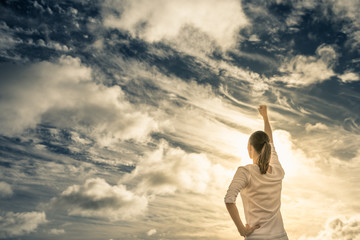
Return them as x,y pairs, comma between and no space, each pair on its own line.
260,141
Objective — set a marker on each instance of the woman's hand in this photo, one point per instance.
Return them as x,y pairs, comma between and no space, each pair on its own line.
248,230
263,111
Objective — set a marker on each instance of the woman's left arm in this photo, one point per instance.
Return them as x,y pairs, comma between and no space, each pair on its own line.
234,213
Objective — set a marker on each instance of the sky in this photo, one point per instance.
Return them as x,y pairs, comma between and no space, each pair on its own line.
128,119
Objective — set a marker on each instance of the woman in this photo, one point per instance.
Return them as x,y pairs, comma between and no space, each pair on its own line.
259,185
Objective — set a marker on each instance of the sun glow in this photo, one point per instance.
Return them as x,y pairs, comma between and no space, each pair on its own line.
288,156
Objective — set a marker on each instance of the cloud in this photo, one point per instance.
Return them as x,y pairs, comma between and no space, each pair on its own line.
339,228
168,169
18,224
342,13
56,231
96,198
50,44
348,11
318,126
305,70
162,19
7,40
64,94
5,190
151,232
30,92
349,77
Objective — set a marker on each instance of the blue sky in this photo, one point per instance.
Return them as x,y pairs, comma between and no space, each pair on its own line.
128,119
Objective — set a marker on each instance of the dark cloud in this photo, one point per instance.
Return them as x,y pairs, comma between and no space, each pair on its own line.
96,198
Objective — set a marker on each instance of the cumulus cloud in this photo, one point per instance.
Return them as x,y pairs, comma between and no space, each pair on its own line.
63,93
305,70
5,190
30,92
349,77
18,224
151,232
97,198
339,228
162,19
317,126
168,169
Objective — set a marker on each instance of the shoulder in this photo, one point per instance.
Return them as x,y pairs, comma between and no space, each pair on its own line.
249,168
244,170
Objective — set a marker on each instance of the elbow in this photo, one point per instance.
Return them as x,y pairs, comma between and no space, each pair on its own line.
229,200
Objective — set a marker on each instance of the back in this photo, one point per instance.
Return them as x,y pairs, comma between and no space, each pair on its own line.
261,196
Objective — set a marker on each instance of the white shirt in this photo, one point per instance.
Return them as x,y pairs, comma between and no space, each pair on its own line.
261,196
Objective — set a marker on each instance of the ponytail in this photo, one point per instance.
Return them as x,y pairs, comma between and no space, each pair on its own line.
260,141
264,158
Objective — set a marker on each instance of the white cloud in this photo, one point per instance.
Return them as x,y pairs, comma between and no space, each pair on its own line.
30,92
64,95
50,44
317,126
167,170
56,231
349,77
305,70
96,198
151,232
5,190
254,38
162,19
339,228
18,224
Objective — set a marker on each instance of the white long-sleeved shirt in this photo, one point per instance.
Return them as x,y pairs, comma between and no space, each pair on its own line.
261,197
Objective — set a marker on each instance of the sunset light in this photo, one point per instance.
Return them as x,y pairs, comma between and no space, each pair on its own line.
129,119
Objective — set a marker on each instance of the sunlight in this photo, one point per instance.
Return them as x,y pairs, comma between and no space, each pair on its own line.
288,157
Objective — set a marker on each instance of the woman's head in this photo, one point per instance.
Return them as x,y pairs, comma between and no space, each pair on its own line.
259,144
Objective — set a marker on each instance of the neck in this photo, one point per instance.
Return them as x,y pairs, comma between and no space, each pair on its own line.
255,158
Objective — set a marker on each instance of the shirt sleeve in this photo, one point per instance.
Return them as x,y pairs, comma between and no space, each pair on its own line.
240,181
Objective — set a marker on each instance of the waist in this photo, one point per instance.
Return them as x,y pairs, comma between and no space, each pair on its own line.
272,228
282,236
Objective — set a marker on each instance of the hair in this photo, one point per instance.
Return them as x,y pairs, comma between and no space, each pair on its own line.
260,141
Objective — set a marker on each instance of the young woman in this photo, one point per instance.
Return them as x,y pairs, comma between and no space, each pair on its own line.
259,185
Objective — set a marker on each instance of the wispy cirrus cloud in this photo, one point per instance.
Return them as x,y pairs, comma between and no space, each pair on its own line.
305,70
348,11
317,126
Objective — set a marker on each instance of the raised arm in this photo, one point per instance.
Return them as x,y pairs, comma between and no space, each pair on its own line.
267,128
